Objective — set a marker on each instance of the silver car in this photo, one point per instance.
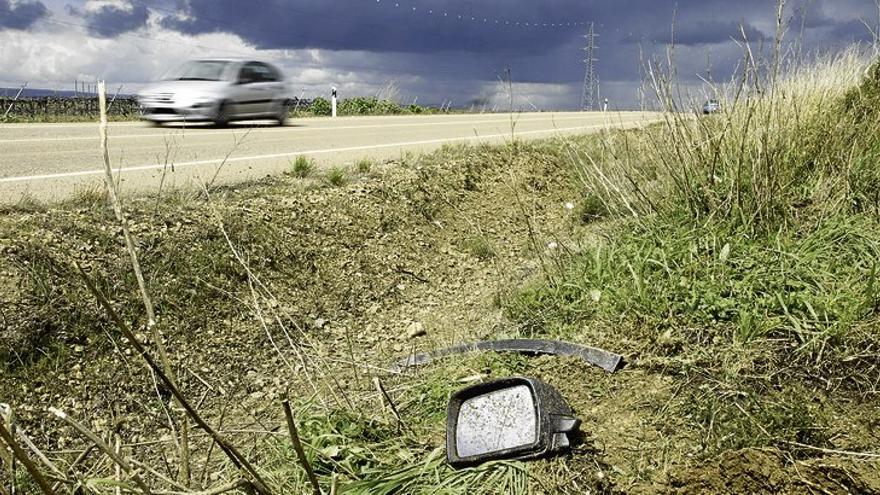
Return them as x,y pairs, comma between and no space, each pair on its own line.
217,91
711,106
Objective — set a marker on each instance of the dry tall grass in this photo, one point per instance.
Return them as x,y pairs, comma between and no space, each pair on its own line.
781,146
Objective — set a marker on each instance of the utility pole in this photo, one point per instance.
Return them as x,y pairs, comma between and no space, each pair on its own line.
590,99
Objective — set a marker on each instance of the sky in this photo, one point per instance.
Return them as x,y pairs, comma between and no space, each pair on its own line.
427,51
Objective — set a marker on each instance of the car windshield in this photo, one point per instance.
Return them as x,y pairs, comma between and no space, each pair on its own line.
200,70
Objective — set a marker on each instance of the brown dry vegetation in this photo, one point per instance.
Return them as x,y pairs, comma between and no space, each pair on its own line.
735,268
351,267
349,270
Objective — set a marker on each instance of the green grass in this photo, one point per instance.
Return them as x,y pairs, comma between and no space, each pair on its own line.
359,105
479,246
53,118
337,177
591,209
364,166
302,167
364,456
369,453
730,419
807,286
739,252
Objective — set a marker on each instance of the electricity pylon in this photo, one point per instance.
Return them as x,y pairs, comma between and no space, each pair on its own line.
590,100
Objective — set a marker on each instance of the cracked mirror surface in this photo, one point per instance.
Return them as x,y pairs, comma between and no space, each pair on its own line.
497,421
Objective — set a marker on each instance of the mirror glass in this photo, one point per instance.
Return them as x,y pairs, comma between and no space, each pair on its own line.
500,420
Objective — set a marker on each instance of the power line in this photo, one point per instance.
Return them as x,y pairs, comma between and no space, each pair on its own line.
479,19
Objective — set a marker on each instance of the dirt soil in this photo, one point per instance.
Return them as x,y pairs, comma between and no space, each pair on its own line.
415,255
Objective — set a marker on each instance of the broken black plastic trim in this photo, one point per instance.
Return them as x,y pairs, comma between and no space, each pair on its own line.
608,361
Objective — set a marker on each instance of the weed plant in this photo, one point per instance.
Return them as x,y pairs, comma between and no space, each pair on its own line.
337,177
364,166
302,167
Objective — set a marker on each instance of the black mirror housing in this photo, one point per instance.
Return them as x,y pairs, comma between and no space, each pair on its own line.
520,404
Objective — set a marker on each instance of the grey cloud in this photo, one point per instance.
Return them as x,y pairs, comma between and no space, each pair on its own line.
109,21
704,32
21,15
411,27
400,38
436,56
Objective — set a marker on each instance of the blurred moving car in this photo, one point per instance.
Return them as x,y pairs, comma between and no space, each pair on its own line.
217,91
711,106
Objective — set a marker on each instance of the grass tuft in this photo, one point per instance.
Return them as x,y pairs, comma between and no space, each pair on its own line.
591,209
364,166
302,167
480,247
337,177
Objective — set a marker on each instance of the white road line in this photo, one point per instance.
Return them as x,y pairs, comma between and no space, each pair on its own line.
292,154
194,132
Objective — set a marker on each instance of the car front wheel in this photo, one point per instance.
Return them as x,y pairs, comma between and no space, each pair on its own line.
221,119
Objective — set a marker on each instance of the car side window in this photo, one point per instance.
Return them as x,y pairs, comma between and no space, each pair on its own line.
248,74
265,73
276,75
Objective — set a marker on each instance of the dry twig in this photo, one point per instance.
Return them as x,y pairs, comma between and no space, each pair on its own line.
138,273
297,446
102,445
381,389
239,460
22,457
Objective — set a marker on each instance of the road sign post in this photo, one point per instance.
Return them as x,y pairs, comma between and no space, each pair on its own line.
333,101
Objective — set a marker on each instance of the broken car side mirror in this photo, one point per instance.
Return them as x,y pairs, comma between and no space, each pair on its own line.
510,418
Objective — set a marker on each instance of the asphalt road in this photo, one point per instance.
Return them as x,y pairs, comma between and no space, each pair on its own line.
52,161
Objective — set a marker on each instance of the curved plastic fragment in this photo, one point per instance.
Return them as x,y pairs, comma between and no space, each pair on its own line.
608,361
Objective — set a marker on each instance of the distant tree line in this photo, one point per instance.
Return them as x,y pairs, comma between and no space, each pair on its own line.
360,105
49,108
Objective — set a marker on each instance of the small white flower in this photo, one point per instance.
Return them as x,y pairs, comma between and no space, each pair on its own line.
552,245
569,206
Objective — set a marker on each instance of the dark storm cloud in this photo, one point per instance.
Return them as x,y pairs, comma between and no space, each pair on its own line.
109,21
852,31
414,27
21,14
414,35
472,45
423,26
699,33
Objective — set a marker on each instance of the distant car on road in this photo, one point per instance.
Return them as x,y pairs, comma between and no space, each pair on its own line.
711,106
218,91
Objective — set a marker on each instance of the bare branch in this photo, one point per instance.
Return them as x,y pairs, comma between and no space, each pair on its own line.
22,457
297,446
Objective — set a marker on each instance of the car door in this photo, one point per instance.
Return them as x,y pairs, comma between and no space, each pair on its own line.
269,85
248,97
